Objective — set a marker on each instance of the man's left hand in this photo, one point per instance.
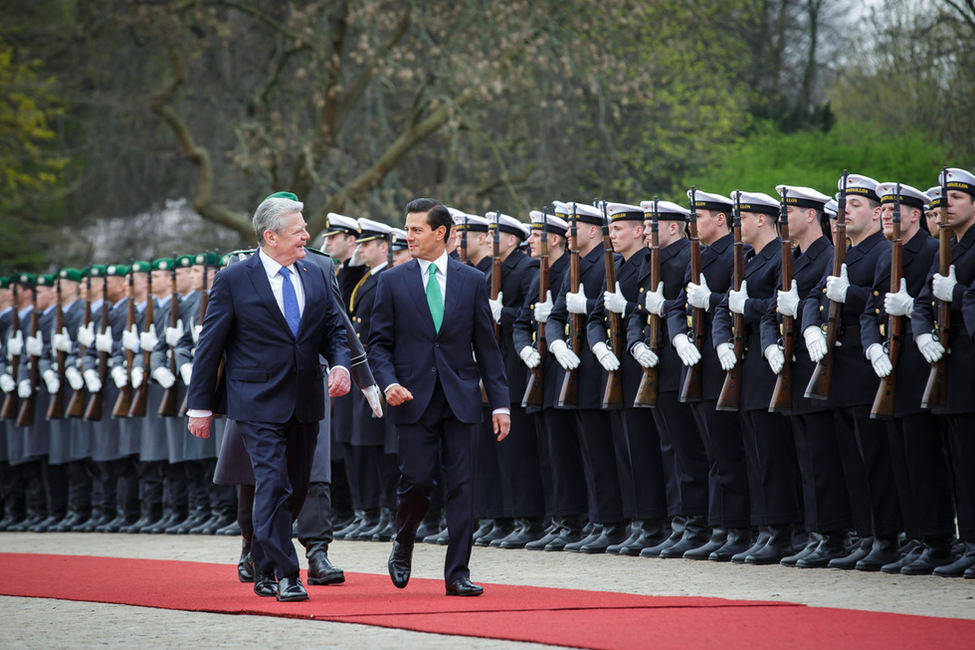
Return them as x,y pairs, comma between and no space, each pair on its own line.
339,382
502,425
200,427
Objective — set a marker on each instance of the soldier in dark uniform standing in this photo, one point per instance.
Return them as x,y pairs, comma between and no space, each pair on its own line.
11,492
21,502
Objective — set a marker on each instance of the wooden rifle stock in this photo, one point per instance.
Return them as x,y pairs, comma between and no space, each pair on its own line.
10,406
569,392
936,390
883,402
123,404
55,407
167,405
535,389
25,418
782,393
729,399
822,377
646,392
76,405
93,412
692,389
613,393
140,396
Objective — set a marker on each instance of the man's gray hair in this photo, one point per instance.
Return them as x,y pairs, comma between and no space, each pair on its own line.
270,215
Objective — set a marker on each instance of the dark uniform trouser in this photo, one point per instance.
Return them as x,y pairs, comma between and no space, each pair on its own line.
520,467
774,488
624,470
961,444
490,493
570,495
55,479
314,523
675,422
599,463
920,465
79,485
728,505
824,491
649,474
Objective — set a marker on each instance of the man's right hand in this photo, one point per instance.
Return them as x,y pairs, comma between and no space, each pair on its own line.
104,341
200,427
396,395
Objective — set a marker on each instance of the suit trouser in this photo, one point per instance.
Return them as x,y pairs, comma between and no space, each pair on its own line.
922,475
281,456
599,462
824,493
569,495
675,422
365,461
961,444
768,437
728,504
438,434
649,475
520,468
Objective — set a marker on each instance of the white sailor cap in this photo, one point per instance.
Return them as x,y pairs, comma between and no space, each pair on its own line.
802,197
553,224
830,208
624,212
507,224
369,230
583,212
664,210
336,223
759,202
958,179
472,223
935,198
399,239
887,191
859,185
456,215
708,201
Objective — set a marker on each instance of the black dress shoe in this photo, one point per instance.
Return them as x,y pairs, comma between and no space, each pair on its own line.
610,535
909,552
850,561
230,530
593,535
400,564
936,553
695,535
542,542
960,566
290,589
884,551
649,533
531,530
718,538
245,566
90,526
502,528
739,540
464,587
778,546
483,528
264,583
570,533
831,547
323,572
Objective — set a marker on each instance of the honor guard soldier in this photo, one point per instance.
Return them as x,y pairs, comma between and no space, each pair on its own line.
11,487
401,250
341,233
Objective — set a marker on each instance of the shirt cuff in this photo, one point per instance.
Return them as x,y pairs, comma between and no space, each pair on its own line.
198,413
386,390
343,368
501,411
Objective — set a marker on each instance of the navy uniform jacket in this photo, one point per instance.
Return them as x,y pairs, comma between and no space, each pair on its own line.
406,348
271,375
517,272
961,380
592,273
675,259
716,265
853,381
348,277
917,255
523,332
808,268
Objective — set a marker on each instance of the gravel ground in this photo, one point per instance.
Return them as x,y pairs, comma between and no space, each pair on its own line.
42,623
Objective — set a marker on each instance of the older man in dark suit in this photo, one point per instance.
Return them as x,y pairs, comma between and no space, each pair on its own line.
271,316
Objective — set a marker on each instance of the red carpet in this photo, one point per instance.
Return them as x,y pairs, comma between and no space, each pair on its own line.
554,616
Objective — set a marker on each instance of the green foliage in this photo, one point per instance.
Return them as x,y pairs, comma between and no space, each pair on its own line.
816,159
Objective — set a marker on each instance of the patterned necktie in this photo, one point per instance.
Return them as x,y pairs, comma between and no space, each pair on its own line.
434,299
291,313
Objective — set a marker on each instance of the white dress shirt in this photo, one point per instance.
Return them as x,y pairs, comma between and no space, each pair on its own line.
272,269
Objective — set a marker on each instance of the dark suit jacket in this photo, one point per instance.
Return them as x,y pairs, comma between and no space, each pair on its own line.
270,374
405,348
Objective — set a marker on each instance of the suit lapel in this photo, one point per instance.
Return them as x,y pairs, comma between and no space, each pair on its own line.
416,288
454,291
314,294
261,284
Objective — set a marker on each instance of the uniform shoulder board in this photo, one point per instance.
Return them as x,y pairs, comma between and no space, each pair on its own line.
240,255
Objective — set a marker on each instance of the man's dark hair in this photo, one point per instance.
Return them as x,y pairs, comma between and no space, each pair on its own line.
437,213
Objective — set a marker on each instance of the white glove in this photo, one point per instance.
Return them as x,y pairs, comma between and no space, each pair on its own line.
687,351
654,302
130,339
92,381
371,394
15,345
138,374
943,287
24,389
119,376
105,341
148,340
930,347
788,301
775,358
726,356
530,356
736,299
496,306
174,334
879,359
815,343
62,341
543,309
7,383
196,333
86,334
566,357
836,287
34,346
73,378
356,259
698,295
614,300
162,375
186,372
644,355
900,303
605,357
575,303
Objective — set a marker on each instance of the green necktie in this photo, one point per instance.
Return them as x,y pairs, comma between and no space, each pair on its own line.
434,299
